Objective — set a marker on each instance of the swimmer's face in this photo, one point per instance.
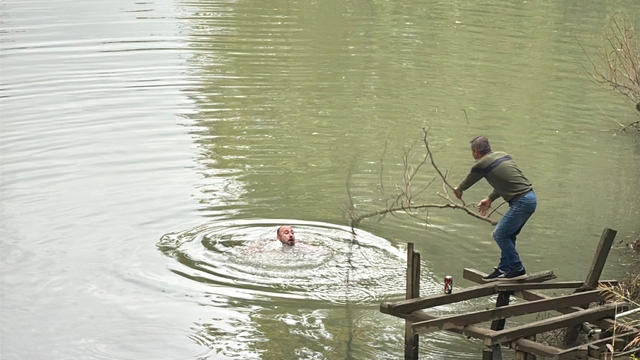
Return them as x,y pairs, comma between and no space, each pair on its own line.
286,236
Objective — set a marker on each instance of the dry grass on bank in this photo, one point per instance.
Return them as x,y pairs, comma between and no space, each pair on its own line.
631,283
629,291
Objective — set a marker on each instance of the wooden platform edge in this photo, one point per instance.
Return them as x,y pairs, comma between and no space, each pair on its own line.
476,317
567,354
468,331
411,305
535,348
553,323
476,276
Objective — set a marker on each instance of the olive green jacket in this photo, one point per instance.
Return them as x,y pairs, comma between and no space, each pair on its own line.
501,173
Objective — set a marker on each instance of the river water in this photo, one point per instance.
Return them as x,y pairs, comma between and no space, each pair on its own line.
150,149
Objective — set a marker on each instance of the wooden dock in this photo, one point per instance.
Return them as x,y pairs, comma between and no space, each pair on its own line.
574,310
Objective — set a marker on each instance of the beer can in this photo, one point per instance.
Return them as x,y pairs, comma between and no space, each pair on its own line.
448,284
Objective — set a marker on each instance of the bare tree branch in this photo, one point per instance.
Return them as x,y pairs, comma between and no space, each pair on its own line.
380,212
426,144
407,199
617,65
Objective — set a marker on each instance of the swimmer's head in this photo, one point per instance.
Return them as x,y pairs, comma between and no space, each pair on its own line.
286,236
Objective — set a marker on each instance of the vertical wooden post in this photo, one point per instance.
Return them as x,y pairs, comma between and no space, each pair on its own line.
595,270
411,340
521,355
503,300
600,258
531,356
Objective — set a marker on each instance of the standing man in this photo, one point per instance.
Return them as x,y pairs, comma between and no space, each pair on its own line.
285,235
508,182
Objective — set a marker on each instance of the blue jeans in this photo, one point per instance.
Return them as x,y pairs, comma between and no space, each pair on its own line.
520,210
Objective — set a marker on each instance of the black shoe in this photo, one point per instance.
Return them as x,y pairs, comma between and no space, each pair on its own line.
493,276
513,275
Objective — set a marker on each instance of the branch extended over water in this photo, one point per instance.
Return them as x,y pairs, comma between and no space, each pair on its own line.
406,200
357,219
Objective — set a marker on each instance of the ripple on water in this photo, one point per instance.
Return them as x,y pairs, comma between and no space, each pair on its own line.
328,262
117,345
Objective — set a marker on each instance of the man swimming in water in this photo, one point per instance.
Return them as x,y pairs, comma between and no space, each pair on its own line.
285,235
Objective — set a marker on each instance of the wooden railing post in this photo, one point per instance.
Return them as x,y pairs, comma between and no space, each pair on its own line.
600,258
595,270
503,300
411,340
523,355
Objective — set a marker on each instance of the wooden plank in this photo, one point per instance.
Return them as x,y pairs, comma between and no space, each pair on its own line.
548,286
601,323
537,327
567,354
595,270
536,348
600,258
476,276
410,305
411,339
634,351
468,331
504,286
444,323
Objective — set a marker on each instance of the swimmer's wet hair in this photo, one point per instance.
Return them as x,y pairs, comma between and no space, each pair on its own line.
278,231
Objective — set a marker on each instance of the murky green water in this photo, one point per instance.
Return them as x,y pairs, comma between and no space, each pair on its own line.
149,150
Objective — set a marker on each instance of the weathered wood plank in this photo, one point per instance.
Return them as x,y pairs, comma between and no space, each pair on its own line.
410,305
633,351
536,348
601,323
537,327
503,286
567,354
411,339
444,323
600,258
552,285
476,276
468,331
595,270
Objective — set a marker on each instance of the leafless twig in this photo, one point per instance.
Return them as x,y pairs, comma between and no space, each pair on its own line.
617,65
407,200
